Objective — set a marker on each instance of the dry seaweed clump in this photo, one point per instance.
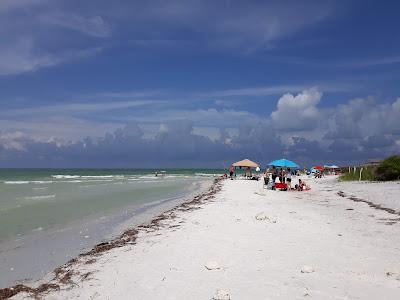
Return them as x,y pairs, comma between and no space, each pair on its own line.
34,292
128,236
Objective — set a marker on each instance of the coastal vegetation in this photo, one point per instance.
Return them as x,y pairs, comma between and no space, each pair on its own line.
388,169
354,174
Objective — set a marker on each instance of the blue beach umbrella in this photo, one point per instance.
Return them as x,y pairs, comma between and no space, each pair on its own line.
283,163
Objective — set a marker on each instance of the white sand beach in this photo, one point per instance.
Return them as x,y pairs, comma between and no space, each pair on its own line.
246,242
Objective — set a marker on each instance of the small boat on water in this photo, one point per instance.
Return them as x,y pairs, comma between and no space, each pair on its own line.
161,173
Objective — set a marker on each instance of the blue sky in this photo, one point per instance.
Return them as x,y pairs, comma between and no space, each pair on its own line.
197,83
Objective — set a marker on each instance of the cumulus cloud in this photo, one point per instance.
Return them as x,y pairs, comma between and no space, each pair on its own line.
358,130
298,112
365,117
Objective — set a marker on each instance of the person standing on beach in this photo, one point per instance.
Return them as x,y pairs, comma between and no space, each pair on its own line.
281,174
274,173
289,179
231,171
266,177
248,172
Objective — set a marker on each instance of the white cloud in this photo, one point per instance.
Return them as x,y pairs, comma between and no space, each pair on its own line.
19,57
80,108
94,26
35,37
256,91
23,56
276,90
13,140
242,26
360,118
297,113
371,62
201,117
354,131
9,5
62,129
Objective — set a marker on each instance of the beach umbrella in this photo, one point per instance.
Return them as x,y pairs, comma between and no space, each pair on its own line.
319,168
283,163
246,163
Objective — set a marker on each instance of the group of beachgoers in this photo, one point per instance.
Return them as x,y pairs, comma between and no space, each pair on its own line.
285,179
275,178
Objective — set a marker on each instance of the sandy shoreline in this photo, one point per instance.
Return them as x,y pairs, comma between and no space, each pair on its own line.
52,248
247,243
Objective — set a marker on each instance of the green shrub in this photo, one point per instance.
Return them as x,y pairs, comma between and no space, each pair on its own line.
389,169
367,174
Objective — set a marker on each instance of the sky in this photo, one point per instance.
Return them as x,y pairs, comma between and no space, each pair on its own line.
133,84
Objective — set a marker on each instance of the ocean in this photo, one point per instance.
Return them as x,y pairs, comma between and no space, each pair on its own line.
48,216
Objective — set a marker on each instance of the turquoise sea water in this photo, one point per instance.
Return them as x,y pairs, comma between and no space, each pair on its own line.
48,216
38,199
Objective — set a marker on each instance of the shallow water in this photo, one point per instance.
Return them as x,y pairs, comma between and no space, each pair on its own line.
49,216
34,200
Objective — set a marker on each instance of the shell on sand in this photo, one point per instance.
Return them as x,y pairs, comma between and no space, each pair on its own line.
307,269
212,265
263,217
221,295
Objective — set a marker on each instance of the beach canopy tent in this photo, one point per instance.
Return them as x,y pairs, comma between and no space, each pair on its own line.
283,163
245,163
319,168
331,167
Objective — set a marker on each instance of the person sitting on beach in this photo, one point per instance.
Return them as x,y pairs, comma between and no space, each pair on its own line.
299,186
302,186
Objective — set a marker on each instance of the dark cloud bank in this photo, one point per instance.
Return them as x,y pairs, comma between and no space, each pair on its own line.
178,146
298,129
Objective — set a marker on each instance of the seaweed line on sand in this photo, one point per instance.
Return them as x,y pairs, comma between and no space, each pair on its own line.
66,275
371,204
